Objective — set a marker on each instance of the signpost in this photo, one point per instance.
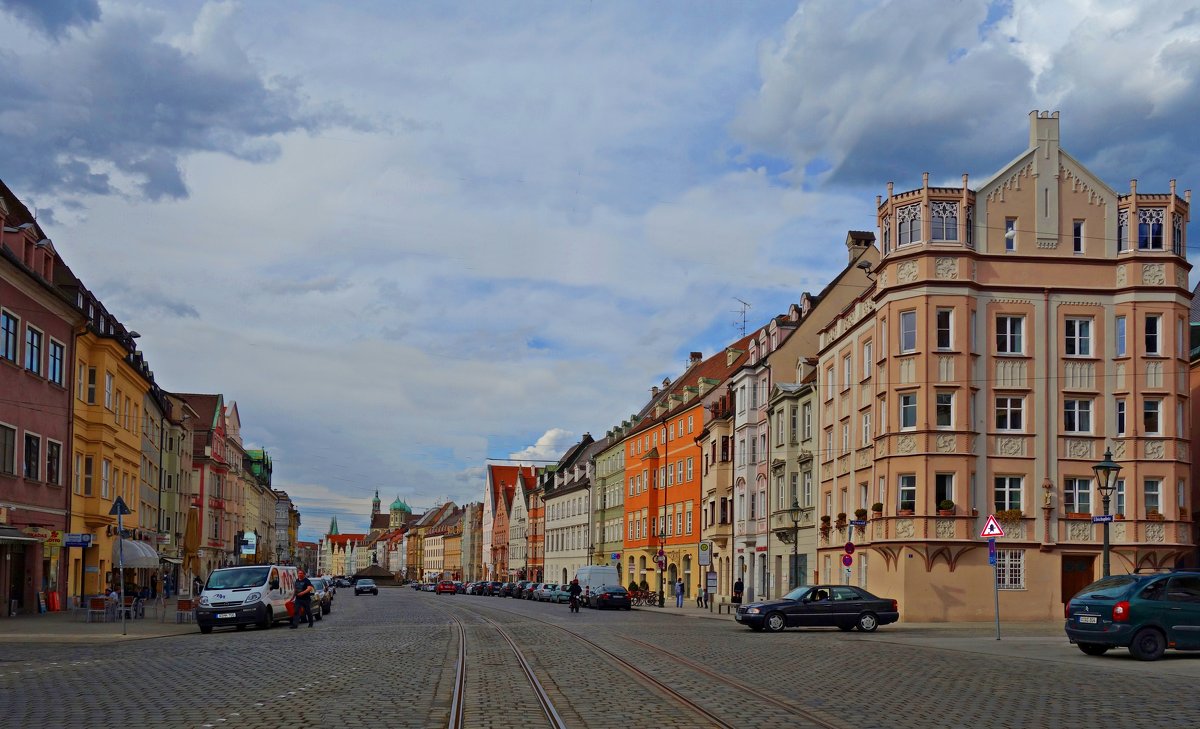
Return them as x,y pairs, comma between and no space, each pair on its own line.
705,557
847,560
119,509
991,530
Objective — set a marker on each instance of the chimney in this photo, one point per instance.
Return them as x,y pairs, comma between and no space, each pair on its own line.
654,391
694,358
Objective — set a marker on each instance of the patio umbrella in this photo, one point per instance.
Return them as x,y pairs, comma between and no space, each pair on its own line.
191,543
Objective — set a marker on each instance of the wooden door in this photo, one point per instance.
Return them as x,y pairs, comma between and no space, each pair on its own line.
1077,573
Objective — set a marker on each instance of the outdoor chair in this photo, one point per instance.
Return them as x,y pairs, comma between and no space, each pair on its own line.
97,610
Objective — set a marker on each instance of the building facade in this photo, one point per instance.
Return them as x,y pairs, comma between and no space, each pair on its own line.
1015,331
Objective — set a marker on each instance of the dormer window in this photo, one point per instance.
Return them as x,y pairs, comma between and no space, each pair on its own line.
909,219
943,218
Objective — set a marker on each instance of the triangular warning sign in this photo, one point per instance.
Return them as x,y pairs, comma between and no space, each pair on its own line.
992,528
119,508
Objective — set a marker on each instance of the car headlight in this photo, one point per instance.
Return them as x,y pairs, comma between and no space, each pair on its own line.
752,611
204,599
253,597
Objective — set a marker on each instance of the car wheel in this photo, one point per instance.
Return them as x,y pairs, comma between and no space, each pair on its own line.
1147,645
319,616
1093,649
267,622
628,607
867,622
206,629
756,628
775,622
845,628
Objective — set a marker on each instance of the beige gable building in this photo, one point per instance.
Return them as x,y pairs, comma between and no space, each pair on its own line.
1015,330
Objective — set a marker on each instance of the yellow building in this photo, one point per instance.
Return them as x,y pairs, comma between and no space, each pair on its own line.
111,384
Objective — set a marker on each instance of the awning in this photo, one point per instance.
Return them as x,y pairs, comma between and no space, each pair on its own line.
172,560
137,555
11,534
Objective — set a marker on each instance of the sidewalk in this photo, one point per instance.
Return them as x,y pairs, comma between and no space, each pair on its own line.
67,627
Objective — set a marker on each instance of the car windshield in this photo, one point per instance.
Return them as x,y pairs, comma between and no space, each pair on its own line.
611,588
238,578
366,583
798,593
318,583
1108,588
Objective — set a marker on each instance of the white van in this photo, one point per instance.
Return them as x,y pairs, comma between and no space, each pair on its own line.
592,577
241,596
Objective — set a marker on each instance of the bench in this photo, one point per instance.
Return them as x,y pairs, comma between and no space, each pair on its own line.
727,607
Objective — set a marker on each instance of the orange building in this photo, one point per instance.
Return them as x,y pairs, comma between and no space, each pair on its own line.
663,472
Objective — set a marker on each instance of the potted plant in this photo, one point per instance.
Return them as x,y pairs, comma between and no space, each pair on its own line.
907,508
841,520
1118,517
945,507
877,509
825,526
1154,515
860,514
1009,515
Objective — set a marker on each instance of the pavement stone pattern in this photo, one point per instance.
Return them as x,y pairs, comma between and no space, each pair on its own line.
388,661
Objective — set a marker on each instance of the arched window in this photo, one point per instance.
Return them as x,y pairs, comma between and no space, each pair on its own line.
943,218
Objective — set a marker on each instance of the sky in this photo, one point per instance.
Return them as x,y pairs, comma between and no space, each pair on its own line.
407,237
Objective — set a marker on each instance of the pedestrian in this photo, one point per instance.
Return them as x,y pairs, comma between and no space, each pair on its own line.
303,599
738,587
700,595
679,593
574,591
197,585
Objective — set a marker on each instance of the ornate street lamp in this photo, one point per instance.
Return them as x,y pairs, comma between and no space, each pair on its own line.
1106,482
794,512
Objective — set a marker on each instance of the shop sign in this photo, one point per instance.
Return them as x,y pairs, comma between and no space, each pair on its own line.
164,538
3,514
52,537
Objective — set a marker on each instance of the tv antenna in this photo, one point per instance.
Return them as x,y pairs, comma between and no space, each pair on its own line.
745,307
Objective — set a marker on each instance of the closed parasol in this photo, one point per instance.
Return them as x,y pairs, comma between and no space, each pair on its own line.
191,543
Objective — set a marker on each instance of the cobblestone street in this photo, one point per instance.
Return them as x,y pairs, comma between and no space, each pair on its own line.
390,661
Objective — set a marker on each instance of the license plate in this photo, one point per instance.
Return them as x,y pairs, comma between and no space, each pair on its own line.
226,615
1087,618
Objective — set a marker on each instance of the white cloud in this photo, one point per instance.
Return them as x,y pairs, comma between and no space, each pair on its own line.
549,447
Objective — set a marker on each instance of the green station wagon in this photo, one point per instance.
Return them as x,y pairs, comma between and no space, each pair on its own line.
1144,612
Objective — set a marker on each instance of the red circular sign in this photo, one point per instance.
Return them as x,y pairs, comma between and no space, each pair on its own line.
847,560
849,547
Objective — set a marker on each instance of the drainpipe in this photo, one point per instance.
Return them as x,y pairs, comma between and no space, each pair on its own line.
1051,441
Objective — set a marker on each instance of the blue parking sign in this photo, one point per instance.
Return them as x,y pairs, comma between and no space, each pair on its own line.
992,552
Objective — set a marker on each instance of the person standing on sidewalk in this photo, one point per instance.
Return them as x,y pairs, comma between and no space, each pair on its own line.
738,587
303,598
679,594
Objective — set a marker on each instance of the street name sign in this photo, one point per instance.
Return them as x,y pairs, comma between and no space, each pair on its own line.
1101,519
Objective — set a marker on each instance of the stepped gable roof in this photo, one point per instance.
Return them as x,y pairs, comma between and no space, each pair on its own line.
343,540
717,367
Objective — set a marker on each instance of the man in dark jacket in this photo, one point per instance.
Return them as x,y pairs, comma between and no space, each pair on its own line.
574,591
303,599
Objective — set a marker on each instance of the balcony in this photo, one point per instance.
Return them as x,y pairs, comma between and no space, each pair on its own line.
782,525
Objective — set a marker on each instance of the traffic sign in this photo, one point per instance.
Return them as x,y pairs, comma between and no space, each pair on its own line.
119,507
849,547
1102,518
848,571
991,528
858,522
992,552
847,560
705,554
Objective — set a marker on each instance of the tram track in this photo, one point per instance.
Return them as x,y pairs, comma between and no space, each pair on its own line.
643,677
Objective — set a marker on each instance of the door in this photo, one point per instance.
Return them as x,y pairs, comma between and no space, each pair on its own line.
1077,573
1182,614
813,608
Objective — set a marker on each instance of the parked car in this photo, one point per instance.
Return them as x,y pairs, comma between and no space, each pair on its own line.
559,593
365,585
445,587
841,606
521,589
506,589
539,591
322,600
613,596
1144,612
459,587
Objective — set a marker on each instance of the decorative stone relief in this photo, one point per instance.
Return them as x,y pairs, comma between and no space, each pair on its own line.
1182,450
906,444
945,368
905,529
1010,446
1010,373
1079,531
877,527
863,458
1079,448
1122,276
1120,383
1080,375
945,443
1154,374
946,268
1154,274
974,444
1181,278
1155,449
1047,243
906,272
883,279
1118,447
1014,531
908,370
1118,531
1155,531
945,529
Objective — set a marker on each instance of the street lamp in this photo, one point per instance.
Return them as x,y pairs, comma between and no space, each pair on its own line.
794,512
1106,482
660,559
